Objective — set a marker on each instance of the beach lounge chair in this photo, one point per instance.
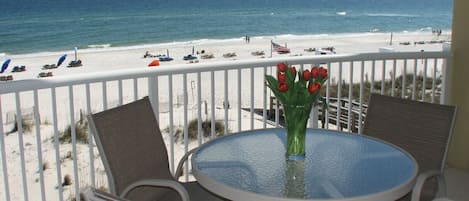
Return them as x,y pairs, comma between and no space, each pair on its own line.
229,55
15,69
75,63
257,53
150,55
207,56
45,74
135,157
6,77
189,57
310,49
18,69
422,129
49,66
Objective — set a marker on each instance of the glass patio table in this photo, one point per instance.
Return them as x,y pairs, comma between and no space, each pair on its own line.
251,166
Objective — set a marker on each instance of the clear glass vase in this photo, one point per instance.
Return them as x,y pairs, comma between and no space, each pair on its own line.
294,179
296,120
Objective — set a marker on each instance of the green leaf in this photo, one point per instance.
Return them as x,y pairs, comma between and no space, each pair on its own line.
297,93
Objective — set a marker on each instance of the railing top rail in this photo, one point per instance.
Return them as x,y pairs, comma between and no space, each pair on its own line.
77,79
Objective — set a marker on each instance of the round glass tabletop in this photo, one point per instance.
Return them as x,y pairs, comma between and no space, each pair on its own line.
338,165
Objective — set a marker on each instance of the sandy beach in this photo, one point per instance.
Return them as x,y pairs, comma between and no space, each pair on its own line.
114,58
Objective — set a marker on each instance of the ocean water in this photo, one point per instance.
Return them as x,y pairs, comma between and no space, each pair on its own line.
35,26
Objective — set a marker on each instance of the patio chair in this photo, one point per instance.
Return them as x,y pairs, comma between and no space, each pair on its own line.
422,129
135,157
442,199
92,194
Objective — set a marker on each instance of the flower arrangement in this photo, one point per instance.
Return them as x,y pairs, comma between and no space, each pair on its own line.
292,91
297,92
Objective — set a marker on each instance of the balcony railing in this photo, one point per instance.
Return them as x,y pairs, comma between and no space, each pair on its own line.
44,137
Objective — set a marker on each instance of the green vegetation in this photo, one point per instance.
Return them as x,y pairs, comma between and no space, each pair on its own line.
398,85
81,131
26,123
193,129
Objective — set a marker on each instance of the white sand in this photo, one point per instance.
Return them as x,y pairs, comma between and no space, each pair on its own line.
121,58
132,57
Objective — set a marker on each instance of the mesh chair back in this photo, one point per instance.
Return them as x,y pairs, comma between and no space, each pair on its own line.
131,146
422,129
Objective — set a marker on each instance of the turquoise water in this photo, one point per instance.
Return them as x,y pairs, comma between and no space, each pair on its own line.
32,26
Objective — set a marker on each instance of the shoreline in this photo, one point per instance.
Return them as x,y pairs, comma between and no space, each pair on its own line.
104,47
133,57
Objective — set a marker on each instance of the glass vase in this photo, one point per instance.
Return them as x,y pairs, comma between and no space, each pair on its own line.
296,120
294,179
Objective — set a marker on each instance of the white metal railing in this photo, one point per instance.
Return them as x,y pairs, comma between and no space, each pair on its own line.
231,92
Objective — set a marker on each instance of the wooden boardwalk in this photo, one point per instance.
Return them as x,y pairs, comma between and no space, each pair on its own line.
342,110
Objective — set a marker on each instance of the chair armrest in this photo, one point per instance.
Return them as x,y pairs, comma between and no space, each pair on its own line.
158,183
442,199
92,194
422,178
184,158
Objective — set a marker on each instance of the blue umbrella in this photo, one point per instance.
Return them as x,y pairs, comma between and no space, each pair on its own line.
61,59
5,65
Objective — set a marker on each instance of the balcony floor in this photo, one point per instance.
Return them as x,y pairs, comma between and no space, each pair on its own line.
457,182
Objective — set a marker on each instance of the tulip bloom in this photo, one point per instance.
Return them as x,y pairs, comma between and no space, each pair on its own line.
281,77
323,72
282,86
315,72
294,70
313,88
306,75
282,67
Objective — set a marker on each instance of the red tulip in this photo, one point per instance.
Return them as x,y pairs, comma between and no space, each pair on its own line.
282,87
306,75
294,71
282,67
313,88
281,76
315,72
323,72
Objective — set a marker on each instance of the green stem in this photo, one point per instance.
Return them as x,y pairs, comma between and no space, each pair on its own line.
296,119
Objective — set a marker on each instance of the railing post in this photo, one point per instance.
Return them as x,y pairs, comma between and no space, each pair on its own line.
153,95
314,117
6,183
446,69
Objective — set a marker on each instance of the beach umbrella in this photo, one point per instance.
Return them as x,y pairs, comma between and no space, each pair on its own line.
5,65
154,63
76,50
61,59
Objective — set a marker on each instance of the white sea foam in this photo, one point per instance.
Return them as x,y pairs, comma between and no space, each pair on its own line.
99,46
341,13
389,15
426,29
